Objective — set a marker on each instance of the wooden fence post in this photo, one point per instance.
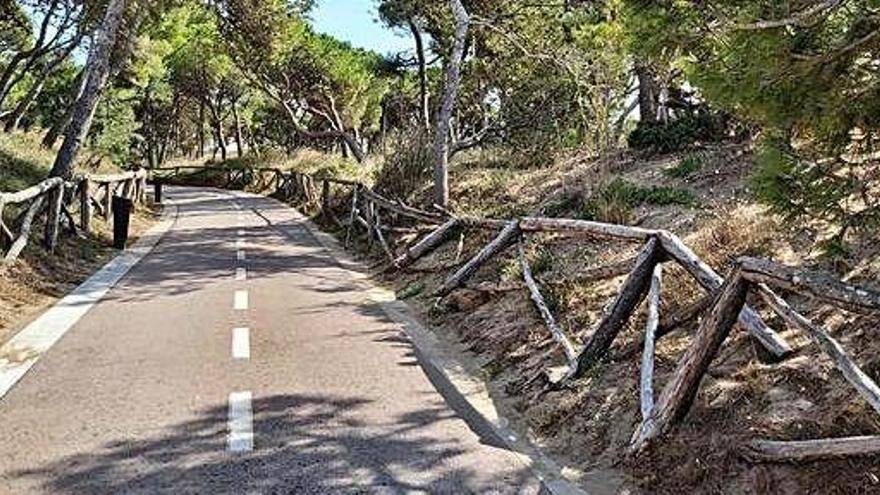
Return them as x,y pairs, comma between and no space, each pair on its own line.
631,294
108,200
508,236
679,393
53,217
85,205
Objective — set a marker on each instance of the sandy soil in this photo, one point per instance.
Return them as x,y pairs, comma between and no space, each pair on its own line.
588,426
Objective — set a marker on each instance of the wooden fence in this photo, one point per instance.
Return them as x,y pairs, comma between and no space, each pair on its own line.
723,307
56,200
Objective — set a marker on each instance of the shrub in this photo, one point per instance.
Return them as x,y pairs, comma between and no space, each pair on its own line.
688,165
680,133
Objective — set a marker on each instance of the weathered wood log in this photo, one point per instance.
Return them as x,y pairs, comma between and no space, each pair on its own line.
24,234
108,199
646,384
85,205
377,227
5,234
586,227
502,241
428,244
325,198
812,284
709,279
483,223
631,294
354,215
679,393
555,331
810,450
103,179
31,192
402,209
53,217
866,387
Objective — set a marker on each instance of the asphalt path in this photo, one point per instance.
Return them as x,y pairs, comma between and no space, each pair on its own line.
240,357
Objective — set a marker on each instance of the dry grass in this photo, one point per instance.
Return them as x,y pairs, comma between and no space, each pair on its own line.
590,425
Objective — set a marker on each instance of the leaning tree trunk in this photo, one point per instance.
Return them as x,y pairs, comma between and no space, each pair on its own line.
98,65
450,93
424,109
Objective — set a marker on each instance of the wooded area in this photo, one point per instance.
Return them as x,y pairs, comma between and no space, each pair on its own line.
435,147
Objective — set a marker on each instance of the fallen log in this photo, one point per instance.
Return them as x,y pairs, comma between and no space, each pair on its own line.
850,370
810,450
429,243
709,279
679,393
646,383
557,333
816,285
631,294
586,227
504,239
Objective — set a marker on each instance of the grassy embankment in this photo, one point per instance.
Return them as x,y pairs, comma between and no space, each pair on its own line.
38,279
705,198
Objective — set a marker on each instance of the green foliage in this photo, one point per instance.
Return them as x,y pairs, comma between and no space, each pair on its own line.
678,134
686,167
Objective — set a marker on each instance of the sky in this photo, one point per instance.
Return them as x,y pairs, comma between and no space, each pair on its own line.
356,21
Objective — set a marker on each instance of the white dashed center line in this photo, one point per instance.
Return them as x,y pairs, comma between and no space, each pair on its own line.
241,300
240,274
240,255
241,422
241,343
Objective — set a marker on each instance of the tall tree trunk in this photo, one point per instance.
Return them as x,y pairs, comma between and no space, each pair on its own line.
98,65
450,93
201,128
239,142
424,108
648,93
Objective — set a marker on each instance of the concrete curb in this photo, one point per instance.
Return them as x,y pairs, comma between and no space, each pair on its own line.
24,349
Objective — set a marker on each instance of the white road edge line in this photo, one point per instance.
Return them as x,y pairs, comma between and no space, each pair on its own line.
241,343
240,274
20,353
240,302
241,423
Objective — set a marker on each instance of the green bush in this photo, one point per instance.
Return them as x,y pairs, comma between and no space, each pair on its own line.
685,168
680,133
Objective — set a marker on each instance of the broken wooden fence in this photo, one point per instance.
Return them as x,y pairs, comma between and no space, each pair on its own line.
724,305
56,198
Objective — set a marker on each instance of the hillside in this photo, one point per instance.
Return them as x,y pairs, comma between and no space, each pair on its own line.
704,197
37,279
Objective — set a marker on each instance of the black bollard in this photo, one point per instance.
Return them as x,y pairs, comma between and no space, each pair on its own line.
157,191
121,217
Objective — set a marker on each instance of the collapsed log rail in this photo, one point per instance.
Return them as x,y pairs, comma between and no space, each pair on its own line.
724,305
53,198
